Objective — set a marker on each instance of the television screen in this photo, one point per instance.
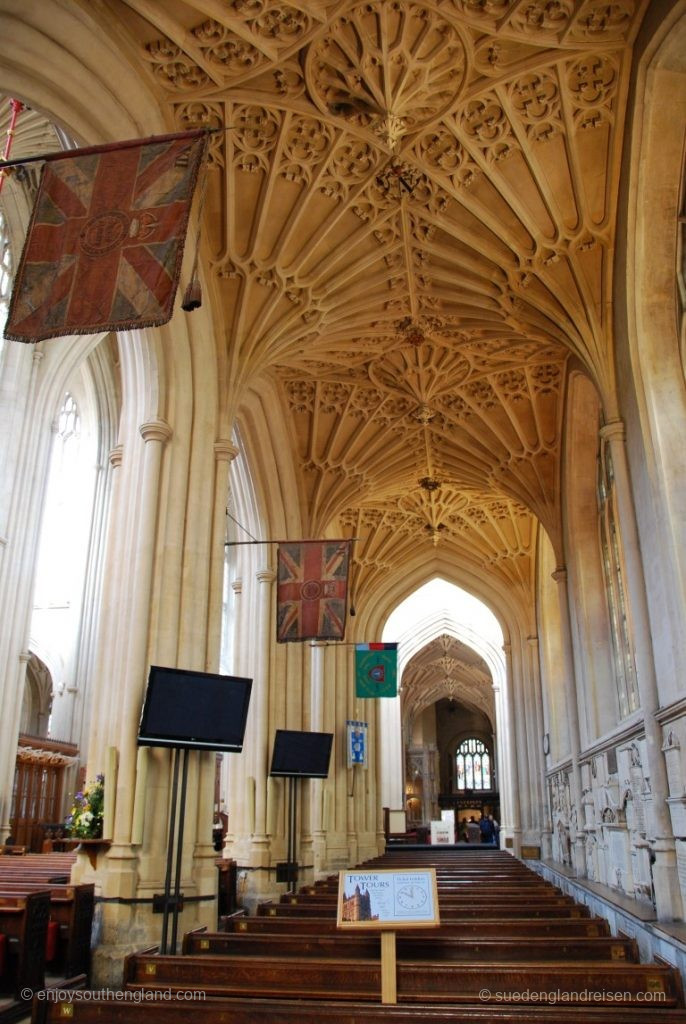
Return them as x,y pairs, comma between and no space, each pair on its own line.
301,753
196,710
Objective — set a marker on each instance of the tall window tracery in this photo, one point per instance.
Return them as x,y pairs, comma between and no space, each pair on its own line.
610,544
62,535
473,764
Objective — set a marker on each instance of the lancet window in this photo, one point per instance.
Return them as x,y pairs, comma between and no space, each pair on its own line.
620,630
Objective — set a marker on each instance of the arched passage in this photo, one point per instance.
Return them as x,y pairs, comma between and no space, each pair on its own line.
468,663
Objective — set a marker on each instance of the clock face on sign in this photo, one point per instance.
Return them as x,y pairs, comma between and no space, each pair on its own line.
411,897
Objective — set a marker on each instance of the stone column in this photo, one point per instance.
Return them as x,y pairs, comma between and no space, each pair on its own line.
569,675
98,721
498,751
224,453
546,823
233,781
539,778
155,433
512,763
665,877
260,761
24,465
317,786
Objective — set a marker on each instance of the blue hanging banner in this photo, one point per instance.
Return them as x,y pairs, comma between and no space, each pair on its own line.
356,743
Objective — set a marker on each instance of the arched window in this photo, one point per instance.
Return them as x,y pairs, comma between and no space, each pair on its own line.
473,764
65,528
610,544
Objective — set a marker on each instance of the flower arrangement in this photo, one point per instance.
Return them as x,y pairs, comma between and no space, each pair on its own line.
85,820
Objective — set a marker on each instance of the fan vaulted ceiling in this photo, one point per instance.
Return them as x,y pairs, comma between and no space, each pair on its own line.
446,668
410,223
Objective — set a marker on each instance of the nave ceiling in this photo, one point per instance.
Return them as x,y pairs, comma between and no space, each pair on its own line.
410,228
446,669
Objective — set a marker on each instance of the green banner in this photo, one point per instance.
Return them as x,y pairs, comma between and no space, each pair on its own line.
376,670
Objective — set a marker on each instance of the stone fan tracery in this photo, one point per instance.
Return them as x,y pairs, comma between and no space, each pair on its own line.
413,211
446,668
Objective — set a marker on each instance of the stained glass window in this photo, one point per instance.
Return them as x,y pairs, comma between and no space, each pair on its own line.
473,765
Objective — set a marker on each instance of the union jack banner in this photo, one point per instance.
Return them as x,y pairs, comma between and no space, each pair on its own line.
312,590
105,243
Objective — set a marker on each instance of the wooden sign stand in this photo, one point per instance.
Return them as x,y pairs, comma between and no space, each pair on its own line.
389,984
385,900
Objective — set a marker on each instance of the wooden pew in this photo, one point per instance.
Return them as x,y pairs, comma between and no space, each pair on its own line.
517,928
469,910
429,946
24,921
417,981
279,1011
38,868
513,897
71,906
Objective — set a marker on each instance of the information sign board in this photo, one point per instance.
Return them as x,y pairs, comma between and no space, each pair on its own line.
442,833
388,899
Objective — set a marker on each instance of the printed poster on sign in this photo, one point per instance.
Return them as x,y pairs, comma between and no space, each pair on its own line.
442,833
387,899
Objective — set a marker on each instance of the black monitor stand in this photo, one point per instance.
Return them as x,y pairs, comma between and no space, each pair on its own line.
288,871
170,902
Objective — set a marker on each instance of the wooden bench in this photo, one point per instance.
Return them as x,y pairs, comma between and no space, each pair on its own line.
71,907
24,923
519,928
510,909
417,981
273,1011
513,897
429,946
38,868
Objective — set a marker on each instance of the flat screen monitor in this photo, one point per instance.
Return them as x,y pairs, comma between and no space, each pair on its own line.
195,710
305,754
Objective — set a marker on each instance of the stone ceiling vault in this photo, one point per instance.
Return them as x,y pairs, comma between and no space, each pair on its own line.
446,669
410,226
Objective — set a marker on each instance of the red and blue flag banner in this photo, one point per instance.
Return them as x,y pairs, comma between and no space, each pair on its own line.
106,238
312,590
376,670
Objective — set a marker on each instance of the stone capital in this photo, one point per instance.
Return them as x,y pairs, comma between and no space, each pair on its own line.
116,456
613,431
225,451
155,430
265,575
560,574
